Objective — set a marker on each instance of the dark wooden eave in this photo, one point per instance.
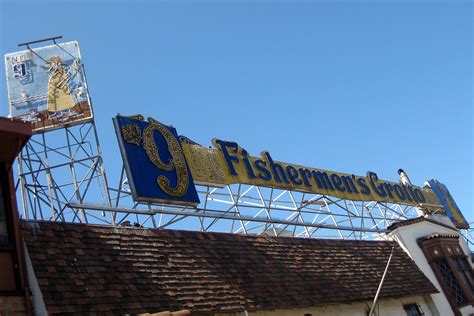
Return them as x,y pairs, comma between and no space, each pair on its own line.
13,136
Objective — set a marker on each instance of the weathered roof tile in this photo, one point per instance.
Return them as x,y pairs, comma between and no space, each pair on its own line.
88,269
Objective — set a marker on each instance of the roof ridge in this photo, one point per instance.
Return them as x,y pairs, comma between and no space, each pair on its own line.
183,231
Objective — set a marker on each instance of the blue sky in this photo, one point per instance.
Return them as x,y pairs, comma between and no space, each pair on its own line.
348,86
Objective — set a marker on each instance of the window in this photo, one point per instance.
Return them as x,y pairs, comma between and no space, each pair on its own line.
451,268
450,281
464,267
413,310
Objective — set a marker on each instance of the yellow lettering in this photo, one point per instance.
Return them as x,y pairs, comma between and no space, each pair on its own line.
176,162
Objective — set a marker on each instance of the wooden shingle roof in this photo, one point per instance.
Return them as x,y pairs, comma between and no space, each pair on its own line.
84,268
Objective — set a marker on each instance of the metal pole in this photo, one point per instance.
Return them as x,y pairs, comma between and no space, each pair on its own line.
27,44
22,186
49,180
73,173
371,312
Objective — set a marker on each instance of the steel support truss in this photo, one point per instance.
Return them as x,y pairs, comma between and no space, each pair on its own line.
248,209
62,178
59,167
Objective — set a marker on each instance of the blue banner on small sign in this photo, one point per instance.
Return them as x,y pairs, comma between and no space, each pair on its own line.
155,163
450,206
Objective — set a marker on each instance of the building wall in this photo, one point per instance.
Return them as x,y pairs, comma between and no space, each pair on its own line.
388,307
12,306
13,282
407,237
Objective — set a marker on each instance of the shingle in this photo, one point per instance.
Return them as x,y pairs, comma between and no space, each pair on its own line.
137,270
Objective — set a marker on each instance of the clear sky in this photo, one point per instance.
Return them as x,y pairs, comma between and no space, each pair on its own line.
348,86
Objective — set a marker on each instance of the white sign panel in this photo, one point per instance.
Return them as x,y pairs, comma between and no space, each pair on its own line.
47,86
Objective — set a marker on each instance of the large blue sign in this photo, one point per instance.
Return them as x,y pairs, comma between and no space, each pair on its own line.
156,167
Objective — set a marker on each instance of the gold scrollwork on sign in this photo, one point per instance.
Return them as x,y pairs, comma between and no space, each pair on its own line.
176,162
204,163
132,134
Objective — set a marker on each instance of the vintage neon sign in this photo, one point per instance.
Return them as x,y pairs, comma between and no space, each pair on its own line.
266,171
47,86
155,163
164,167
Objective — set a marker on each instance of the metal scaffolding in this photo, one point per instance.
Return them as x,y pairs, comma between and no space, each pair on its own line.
62,166
248,209
62,171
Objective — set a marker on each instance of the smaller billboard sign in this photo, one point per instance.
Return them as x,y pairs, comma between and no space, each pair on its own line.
156,167
47,86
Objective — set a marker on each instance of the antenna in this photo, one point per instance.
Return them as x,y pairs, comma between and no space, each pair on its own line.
27,44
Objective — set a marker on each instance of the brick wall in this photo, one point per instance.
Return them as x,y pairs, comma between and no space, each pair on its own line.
12,306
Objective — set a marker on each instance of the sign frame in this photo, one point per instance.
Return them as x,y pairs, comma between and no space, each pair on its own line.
189,198
51,87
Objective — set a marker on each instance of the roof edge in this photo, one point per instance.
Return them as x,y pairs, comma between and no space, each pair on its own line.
417,220
182,231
